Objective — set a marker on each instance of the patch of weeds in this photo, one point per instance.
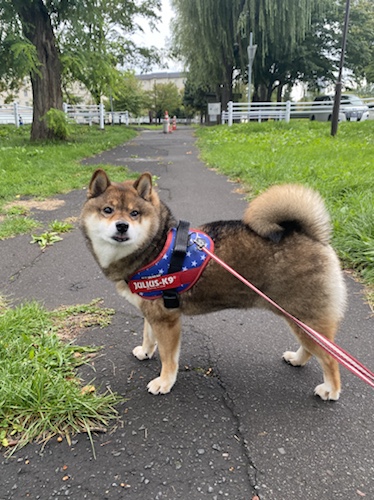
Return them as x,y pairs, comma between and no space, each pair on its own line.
155,179
41,395
70,320
50,237
207,372
17,210
14,220
61,226
14,225
46,239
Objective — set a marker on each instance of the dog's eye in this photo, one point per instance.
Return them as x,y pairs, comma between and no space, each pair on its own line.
134,214
108,210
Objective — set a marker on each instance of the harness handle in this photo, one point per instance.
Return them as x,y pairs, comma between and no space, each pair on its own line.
171,297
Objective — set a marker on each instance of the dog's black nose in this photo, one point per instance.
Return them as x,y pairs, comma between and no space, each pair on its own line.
122,227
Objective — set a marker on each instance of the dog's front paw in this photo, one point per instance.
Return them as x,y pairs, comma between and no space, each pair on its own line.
325,392
292,358
141,354
160,386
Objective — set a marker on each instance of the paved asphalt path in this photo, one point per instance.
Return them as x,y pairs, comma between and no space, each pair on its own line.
239,421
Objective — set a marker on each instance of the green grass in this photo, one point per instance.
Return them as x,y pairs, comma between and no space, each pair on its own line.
41,170
340,168
45,169
41,395
15,225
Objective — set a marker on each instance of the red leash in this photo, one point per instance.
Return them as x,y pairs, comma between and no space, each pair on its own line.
334,350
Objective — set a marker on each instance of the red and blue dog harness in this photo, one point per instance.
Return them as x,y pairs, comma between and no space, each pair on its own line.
176,269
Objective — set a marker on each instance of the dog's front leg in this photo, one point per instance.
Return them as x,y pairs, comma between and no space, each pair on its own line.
147,349
168,336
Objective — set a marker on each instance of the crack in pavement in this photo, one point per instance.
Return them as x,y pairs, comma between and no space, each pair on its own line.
252,471
214,372
17,274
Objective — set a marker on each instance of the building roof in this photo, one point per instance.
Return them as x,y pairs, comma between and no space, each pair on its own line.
161,75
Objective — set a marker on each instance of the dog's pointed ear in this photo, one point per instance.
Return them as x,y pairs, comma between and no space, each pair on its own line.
99,184
143,185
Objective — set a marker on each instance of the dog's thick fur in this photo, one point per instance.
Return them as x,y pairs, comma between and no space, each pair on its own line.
281,246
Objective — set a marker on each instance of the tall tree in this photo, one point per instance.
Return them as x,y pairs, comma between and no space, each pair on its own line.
360,40
130,95
205,35
99,43
213,35
195,98
46,76
164,97
312,60
41,32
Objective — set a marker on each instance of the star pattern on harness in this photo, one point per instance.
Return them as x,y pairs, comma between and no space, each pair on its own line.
194,259
190,261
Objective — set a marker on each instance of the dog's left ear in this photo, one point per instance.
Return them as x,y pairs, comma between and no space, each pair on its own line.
99,183
143,185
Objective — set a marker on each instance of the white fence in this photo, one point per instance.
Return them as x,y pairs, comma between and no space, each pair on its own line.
20,115
83,114
86,113
243,112
15,114
239,112
96,114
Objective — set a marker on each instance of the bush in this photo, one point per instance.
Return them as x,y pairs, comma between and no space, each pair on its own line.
58,122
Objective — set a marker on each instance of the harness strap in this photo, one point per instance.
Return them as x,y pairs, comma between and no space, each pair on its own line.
171,297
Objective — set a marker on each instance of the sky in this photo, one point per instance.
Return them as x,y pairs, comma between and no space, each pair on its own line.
160,38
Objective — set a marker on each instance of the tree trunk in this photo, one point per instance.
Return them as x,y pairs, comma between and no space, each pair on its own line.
260,93
279,92
46,79
224,91
270,91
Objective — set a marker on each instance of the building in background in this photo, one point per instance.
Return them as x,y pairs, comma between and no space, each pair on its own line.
23,96
150,80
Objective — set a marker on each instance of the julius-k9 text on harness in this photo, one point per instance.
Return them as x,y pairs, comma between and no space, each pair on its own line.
176,269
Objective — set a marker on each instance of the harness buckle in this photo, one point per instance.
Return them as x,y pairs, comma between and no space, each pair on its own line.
199,242
171,299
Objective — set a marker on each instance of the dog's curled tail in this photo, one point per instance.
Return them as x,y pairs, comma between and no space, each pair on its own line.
288,207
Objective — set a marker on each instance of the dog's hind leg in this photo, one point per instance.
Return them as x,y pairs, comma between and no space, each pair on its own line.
148,348
168,336
330,388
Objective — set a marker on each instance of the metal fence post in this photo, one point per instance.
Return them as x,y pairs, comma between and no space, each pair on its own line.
15,111
101,110
287,116
230,110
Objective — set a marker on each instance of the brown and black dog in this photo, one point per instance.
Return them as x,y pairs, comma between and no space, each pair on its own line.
281,245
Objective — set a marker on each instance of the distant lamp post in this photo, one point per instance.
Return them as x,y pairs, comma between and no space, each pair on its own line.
338,87
251,55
